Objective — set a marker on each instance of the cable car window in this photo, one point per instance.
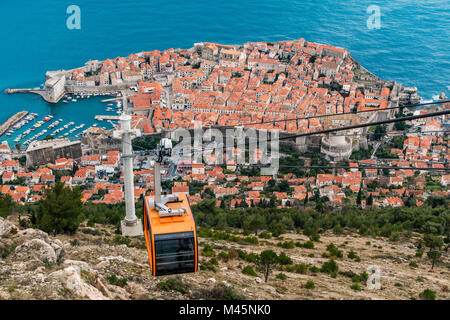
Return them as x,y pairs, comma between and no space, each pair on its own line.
175,253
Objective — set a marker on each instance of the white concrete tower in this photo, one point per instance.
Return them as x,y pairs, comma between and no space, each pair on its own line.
131,225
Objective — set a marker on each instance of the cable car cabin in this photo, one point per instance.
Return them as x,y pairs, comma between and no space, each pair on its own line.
170,235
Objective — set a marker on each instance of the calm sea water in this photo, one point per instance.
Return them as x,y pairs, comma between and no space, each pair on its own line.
412,46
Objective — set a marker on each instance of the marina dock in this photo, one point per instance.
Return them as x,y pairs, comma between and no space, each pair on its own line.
12,121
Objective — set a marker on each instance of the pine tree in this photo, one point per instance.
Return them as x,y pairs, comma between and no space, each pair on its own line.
370,200
61,210
359,197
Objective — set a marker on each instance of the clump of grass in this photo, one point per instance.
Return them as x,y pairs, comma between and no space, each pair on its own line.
310,285
116,281
121,240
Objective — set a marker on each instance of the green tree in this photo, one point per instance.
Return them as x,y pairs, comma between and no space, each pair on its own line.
359,197
434,242
369,200
254,223
380,132
6,205
267,261
61,210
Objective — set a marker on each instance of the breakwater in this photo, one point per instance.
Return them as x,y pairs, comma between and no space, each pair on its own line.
12,121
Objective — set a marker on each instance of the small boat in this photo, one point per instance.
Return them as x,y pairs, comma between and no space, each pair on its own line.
74,100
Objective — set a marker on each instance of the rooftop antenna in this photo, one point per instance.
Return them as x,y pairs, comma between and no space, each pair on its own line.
131,226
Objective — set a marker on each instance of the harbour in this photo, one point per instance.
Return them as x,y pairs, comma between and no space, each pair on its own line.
23,128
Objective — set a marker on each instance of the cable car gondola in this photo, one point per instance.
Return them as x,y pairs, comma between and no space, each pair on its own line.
170,235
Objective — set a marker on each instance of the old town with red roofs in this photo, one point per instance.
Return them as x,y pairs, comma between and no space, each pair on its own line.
258,82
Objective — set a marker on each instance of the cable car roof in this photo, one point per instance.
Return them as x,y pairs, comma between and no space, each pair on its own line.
162,225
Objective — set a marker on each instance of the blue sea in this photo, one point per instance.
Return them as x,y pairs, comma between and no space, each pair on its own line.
411,46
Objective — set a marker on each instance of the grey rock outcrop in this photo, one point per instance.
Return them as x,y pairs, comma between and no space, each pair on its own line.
36,249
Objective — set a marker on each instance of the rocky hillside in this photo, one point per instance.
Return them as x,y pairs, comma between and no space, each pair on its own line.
95,263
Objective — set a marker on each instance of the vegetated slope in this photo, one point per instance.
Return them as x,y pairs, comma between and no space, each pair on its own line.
96,263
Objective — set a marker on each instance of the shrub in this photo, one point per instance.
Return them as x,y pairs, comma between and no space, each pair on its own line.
334,251
352,255
93,232
265,235
330,267
281,276
419,253
314,269
308,245
174,284
208,251
219,292
114,280
286,245
310,285
121,240
248,270
355,286
363,277
224,256
314,237
249,257
428,294
413,264
209,265
338,229
301,268
284,260
251,240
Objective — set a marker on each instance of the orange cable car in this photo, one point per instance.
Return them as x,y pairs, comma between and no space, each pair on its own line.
170,235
